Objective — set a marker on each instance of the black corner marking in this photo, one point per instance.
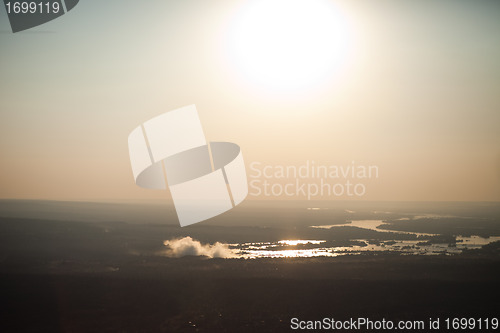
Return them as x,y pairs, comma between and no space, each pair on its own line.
39,12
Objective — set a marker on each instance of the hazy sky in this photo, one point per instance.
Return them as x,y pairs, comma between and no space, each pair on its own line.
416,91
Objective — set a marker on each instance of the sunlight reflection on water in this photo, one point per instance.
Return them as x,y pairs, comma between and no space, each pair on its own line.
408,247
370,225
294,248
300,241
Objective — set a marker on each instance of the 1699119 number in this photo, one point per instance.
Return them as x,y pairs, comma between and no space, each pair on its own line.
26,7
471,323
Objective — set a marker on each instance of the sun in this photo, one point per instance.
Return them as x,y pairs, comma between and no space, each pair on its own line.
287,45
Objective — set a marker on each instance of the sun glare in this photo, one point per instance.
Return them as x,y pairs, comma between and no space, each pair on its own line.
288,44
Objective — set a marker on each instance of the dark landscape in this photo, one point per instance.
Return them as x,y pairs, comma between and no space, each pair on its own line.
103,272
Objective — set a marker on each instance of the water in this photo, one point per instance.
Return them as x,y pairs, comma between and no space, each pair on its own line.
316,248
370,225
